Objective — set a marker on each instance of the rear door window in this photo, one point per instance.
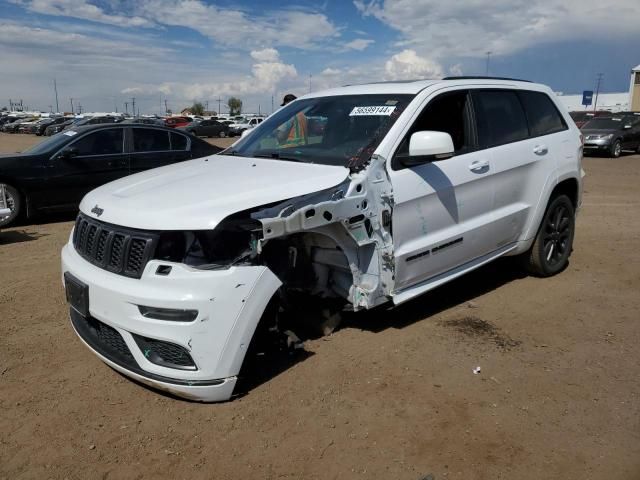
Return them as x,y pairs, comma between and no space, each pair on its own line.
178,142
102,142
150,140
500,117
542,114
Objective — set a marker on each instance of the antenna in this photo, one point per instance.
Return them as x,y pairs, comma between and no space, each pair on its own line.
488,58
72,110
55,89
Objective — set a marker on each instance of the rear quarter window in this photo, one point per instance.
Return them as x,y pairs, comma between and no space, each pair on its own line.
542,115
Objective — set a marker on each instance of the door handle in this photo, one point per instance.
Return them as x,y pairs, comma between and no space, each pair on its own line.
540,150
479,165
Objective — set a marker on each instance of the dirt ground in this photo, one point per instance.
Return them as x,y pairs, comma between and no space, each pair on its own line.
391,395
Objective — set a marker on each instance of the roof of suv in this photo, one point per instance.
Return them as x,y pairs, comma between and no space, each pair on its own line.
415,86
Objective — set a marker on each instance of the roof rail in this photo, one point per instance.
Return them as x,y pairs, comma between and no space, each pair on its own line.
480,77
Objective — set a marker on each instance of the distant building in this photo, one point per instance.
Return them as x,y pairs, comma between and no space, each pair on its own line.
634,89
207,113
613,102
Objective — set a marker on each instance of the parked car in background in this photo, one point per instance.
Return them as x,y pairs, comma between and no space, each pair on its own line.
12,127
612,135
58,172
33,128
175,122
238,128
25,127
41,128
410,185
207,128
59,126
582,117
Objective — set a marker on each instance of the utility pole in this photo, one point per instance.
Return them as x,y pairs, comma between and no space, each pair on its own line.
55,89
219,101
488,58
309,83
166,109
72,110
271,103
126,108
599,80
133,105
206,106
51,108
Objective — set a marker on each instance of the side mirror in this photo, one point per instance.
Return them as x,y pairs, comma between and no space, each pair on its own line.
68,153
428,146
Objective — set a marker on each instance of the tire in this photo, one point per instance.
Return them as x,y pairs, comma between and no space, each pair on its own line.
616,149
14,201
222,134
552,247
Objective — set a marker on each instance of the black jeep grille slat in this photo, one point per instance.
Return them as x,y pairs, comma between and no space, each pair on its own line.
118,249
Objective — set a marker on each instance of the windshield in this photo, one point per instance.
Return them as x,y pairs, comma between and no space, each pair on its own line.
52,143
341,130
611,123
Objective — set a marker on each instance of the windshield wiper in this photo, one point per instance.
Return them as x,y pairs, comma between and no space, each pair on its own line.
229,152
276,156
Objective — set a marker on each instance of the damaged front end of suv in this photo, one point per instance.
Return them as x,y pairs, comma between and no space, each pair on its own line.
168,286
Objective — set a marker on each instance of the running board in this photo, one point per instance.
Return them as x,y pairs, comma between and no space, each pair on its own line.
433,282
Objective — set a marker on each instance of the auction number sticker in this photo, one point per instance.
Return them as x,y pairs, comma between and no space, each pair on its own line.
70,133
385,110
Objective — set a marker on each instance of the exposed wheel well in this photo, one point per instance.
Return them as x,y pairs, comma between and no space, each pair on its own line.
568,187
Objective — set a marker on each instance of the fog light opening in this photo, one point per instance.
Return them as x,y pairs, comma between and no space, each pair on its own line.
168,314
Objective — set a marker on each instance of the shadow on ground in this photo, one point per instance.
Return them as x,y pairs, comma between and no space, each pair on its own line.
19,236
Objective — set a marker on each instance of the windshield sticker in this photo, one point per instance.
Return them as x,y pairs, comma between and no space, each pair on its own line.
616,119
70,133
385,110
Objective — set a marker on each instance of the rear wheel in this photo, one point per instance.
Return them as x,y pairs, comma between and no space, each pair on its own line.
13,202
550,252
222,134
616,149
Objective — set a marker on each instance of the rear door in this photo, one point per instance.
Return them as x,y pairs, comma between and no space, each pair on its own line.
523,131
100,157
151,148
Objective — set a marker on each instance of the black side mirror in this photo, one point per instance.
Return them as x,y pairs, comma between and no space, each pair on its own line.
68,153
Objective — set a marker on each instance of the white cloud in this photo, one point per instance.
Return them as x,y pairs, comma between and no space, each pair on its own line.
358,44
456,70
408,65
238,29
473,27
83,10
331,71
266,55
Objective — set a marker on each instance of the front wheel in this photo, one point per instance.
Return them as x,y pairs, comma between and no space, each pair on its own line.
616,149
550,252
13,203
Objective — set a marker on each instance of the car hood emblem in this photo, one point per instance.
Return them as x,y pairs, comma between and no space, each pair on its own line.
97,210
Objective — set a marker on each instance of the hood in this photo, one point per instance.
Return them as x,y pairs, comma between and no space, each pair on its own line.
198,194
599,131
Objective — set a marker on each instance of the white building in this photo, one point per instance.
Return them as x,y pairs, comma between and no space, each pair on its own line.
613,102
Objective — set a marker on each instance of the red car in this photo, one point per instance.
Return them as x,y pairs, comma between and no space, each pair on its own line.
174,122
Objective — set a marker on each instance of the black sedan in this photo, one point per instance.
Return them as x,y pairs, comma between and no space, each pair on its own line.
55,174
41,126
612,135
207,128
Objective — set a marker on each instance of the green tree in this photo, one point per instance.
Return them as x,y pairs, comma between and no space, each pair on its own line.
235,106
197,108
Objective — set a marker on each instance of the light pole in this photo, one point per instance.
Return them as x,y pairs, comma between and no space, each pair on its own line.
488,58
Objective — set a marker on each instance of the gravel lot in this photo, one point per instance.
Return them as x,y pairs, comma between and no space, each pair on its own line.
391,395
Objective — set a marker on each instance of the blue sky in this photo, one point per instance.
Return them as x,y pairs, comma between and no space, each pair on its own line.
103,52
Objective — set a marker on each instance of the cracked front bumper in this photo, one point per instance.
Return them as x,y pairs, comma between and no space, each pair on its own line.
229,305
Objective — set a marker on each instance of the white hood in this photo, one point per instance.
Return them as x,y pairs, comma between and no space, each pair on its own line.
198,194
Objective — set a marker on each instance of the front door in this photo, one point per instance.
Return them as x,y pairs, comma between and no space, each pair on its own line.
442,209
98,157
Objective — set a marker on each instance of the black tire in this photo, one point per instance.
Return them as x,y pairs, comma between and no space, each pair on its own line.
14,201
616,149
552,247
222,134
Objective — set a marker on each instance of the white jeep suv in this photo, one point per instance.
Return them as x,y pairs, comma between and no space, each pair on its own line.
355,196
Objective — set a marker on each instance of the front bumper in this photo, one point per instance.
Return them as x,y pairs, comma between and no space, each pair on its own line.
229,302
596,146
